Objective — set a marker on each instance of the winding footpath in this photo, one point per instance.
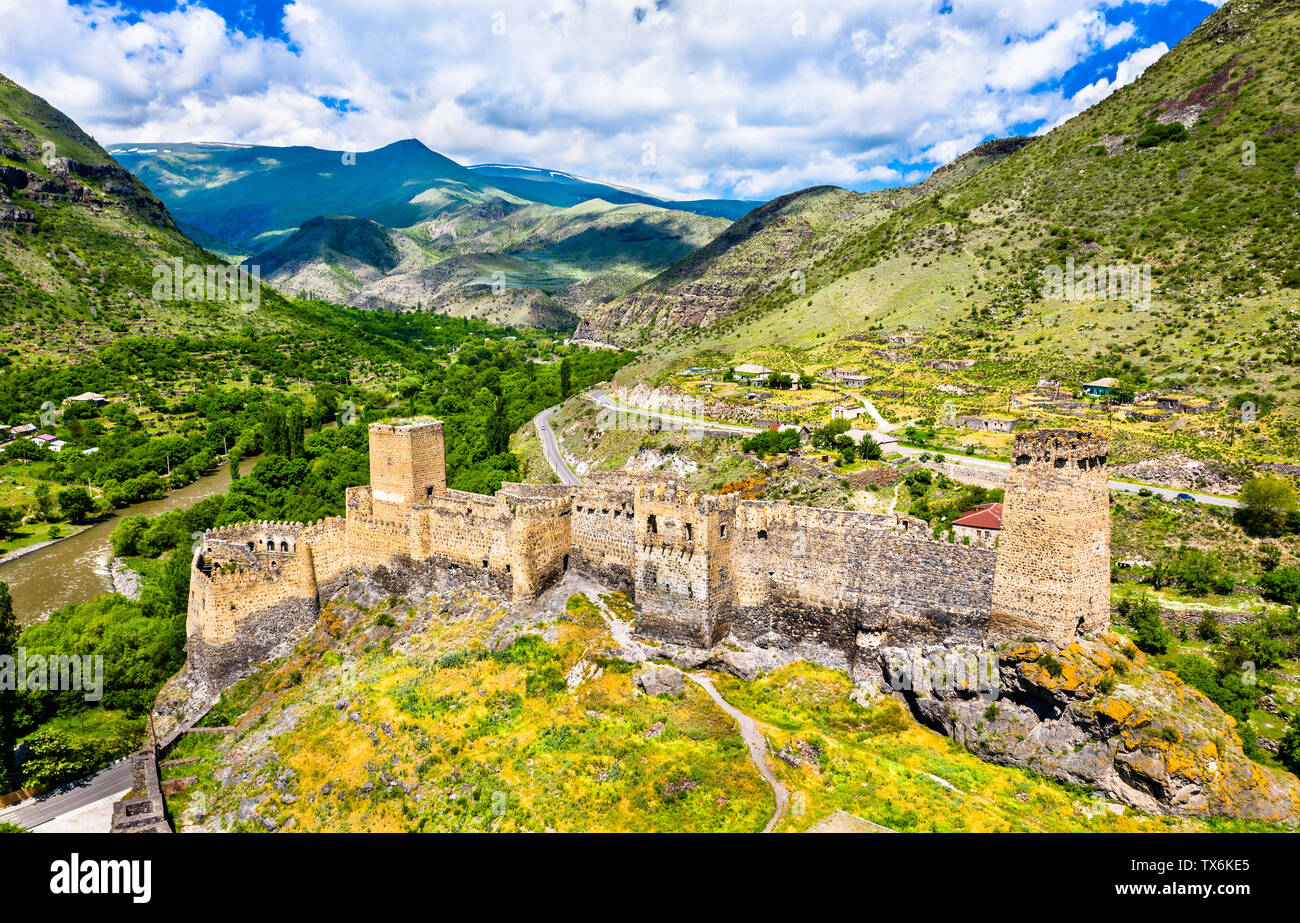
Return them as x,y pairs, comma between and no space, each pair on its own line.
750,730
752,734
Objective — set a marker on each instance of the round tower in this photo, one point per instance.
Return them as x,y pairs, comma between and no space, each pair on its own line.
1052,577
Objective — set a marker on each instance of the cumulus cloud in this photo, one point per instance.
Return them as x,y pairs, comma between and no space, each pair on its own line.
1126,72
699,98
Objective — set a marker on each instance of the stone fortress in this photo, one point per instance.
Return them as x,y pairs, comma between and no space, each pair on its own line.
697,566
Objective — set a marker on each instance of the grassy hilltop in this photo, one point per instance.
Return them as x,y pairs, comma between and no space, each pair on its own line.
1192,169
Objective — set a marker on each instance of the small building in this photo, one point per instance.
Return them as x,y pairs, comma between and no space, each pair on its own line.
1183,403
87,397
1102,387
56,445
23,430
981,525
751,372
847,412
804,432
989,424
850,378
6,433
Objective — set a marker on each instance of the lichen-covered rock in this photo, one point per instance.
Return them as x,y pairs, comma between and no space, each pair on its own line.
1093,713
661,681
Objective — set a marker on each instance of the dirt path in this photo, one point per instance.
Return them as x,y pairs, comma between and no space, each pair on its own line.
750,731
757,743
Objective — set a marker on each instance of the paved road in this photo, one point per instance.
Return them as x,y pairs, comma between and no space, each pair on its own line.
1127,486
45,808
602,399
551,448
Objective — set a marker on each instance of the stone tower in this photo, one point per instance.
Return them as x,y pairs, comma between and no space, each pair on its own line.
1052,577
682,568
407,462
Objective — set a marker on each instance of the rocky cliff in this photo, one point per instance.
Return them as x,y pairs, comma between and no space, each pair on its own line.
1093,713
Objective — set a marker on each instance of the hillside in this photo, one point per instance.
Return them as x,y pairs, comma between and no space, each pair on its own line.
79,240
555,187
453,232
445,712
1191,171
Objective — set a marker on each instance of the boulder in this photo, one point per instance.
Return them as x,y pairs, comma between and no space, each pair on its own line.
661,681
746,665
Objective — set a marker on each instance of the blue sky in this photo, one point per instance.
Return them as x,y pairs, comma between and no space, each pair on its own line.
688,98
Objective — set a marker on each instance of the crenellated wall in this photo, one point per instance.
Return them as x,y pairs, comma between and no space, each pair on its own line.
831,575
699,566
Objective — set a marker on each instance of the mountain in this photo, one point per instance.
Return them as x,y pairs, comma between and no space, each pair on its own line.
546,239
249,196
80,238
558,188
1190,170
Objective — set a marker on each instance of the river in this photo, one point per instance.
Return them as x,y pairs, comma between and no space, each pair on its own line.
76,569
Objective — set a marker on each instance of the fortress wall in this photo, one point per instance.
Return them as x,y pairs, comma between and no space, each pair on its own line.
603,535
327,541
372,537
240,614
682,573
1053,574
539,546
824,575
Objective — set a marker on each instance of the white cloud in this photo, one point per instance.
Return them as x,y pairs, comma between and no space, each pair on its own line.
733,99
1126,72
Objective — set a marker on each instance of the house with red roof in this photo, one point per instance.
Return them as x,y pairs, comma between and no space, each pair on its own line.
981,525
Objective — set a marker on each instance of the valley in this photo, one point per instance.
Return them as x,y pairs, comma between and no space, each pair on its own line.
508,500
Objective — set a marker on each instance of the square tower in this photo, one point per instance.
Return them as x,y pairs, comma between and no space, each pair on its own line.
407,461
682,568
1052,576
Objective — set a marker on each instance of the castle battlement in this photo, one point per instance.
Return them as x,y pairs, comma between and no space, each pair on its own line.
698,565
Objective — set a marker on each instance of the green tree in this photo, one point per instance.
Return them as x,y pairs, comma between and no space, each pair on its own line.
1266,501
1288,750
9,779
566,377
9,521
45,501
1143,613
76,503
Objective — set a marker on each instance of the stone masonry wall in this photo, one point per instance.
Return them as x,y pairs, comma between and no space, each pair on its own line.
853,579
682,573
1053,573
699,566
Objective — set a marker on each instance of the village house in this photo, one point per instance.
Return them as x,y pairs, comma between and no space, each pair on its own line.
847,412
86,397
981,525
989,424
1102,387
1183,403
751,372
